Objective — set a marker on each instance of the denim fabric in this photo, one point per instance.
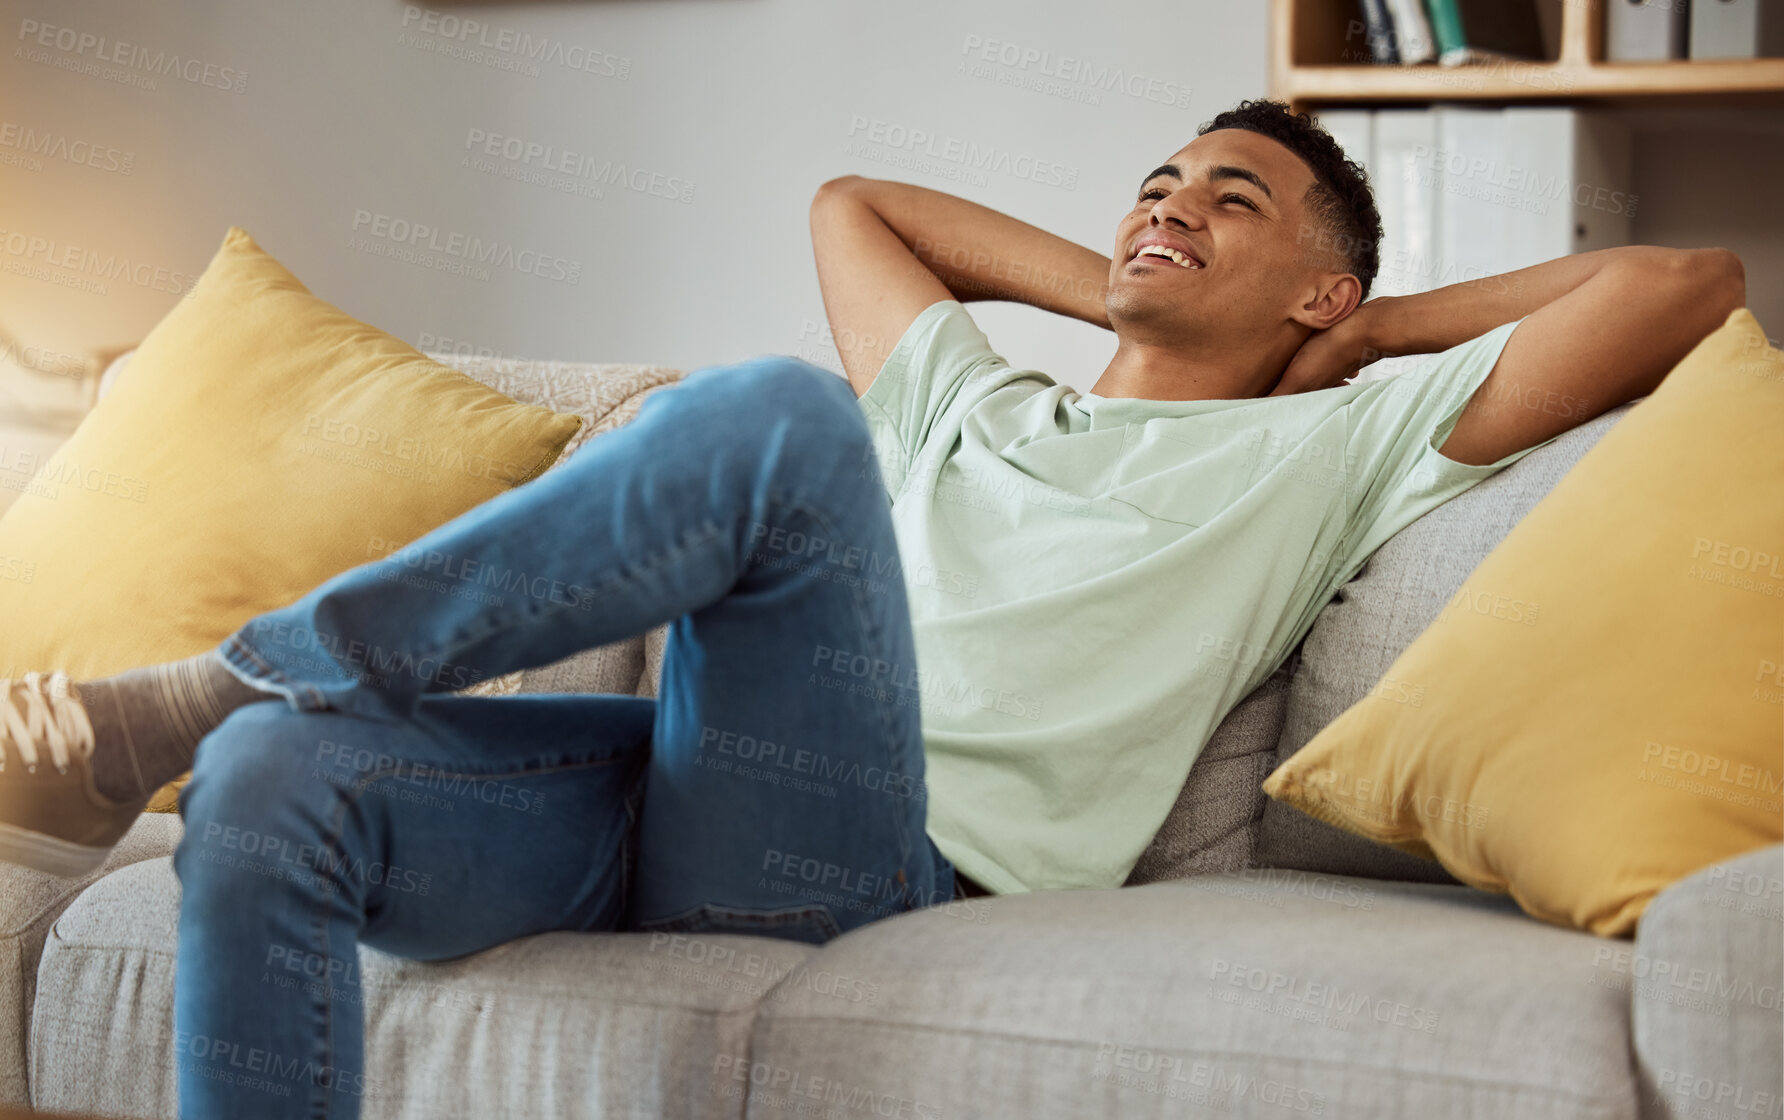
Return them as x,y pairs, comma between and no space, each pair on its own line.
774,786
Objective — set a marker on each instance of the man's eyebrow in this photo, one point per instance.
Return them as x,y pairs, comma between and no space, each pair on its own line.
1215,174
1170,169
1226,171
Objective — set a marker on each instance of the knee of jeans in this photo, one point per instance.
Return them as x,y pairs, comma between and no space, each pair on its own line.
780,388
259,789
810,409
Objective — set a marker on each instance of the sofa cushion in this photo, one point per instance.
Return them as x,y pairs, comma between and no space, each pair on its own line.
562,1024
1590,730
258,440
1706,980
1375,616
605,396
1213,825
259,443
1245,994
30,903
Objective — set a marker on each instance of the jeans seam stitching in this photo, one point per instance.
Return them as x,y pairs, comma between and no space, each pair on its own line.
266,668
337,826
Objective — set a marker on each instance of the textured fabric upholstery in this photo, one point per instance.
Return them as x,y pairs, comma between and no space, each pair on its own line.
557,1025
654,643
1244,994
1375,616
30,903
1213,825
1257,994
1706,981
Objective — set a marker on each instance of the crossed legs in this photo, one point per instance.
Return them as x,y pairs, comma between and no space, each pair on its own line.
774,786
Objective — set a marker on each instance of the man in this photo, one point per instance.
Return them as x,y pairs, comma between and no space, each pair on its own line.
1090,581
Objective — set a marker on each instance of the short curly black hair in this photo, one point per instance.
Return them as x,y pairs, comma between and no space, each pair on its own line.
1340,199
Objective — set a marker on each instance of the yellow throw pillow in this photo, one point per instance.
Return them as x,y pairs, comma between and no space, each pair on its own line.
260,442
1602,706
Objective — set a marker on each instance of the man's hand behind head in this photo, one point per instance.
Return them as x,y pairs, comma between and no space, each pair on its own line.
1331,357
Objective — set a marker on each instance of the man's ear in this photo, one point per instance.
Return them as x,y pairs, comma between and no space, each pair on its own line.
1328,304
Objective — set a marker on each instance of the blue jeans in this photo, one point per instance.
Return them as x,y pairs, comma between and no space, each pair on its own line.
774,786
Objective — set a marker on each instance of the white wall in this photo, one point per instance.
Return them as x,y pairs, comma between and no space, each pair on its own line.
350,107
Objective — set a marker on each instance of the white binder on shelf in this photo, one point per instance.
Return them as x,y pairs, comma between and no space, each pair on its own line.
1737,29
1474,202
1406,195
1469,193
1407,200
1578,168
1644,30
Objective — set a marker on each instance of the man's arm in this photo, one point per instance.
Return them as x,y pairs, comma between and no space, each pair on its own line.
885,251
1599,329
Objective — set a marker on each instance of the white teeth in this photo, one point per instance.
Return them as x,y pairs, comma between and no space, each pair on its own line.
1182,260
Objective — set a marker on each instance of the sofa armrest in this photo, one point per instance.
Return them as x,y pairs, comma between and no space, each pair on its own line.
1706,980
30,903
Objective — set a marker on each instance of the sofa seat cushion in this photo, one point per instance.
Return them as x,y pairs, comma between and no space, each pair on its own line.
562,1024
1243,994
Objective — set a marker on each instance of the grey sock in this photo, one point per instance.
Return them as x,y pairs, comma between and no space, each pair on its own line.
147,722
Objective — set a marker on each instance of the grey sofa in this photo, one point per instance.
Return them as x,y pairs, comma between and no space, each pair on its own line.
1258,964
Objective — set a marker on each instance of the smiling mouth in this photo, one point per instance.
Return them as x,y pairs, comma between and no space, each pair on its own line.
1161,254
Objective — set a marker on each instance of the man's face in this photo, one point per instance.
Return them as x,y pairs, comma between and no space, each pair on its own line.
1231,202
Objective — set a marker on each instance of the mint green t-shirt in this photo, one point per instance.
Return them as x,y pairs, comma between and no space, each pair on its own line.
1094,582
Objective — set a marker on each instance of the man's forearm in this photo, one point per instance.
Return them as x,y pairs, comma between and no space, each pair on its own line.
1427,322
979,253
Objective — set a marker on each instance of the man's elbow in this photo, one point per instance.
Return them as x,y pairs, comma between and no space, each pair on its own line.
1715,281
841,187
1733,279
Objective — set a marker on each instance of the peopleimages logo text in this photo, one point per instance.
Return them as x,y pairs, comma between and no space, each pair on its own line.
24,139
430,238
576,165
51,253
964,153
475,33
1077,71
131,56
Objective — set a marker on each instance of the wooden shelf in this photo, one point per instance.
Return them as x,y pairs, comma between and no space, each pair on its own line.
1535,81
1308,36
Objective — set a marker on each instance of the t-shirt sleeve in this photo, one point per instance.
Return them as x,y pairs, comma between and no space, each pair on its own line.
942,365
1394,428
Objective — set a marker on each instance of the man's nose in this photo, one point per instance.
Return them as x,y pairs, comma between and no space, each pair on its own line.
1185,215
